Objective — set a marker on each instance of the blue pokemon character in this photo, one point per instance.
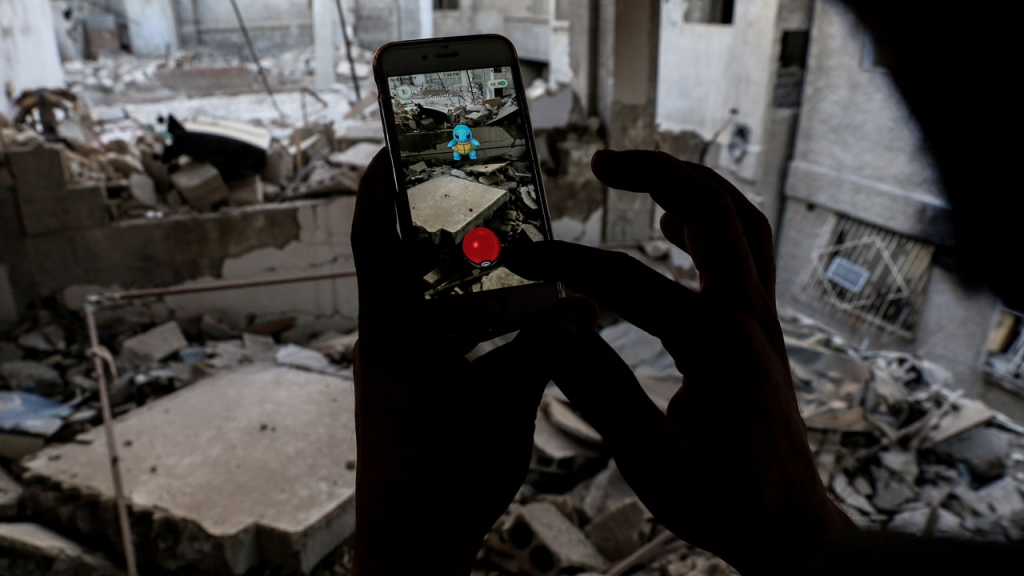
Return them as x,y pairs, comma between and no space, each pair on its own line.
464,143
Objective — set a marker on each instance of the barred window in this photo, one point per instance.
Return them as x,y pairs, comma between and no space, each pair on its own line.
869,277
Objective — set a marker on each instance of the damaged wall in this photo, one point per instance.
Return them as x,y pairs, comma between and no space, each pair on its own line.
151,26
859,155
28,49
274,25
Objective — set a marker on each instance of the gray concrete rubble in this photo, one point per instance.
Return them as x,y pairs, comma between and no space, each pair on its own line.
221,476
156,344
29,549
10,495
447,207
200,184
548,543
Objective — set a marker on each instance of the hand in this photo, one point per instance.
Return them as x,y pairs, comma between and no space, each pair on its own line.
728,467
443,443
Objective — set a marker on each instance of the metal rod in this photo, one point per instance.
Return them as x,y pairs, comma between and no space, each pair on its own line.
256,58
231,285
108,426
348,49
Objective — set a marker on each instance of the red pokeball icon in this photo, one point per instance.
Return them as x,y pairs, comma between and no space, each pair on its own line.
481,246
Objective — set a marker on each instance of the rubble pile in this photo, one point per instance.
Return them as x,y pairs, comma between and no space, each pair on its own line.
120,72
897,446
48,387
196,165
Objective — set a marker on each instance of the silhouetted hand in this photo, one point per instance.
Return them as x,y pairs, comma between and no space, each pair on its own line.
728,468
443,443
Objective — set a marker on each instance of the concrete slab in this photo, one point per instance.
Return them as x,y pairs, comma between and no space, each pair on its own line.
250,466
447,207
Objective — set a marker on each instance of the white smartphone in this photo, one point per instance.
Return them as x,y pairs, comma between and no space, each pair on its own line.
459,133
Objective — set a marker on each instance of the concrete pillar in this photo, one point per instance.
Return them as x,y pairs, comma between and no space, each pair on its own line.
426,19
324,18
28,49
151,27
626,96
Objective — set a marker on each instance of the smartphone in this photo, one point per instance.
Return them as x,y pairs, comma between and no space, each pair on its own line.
459,134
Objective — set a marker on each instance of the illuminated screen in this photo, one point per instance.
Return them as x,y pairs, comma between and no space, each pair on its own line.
469,176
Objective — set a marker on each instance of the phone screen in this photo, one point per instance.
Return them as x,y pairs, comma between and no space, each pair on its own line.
469,175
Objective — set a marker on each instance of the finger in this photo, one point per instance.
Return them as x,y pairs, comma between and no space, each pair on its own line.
756,227
674,231
718,245
640,295
649,451
376,246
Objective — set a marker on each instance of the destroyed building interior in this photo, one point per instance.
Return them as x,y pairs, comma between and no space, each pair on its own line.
177,188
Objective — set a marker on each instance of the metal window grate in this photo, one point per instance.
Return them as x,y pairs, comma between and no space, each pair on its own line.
869,277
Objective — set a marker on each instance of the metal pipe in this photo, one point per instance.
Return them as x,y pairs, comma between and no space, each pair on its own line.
256,58
98,354
348,49
218,286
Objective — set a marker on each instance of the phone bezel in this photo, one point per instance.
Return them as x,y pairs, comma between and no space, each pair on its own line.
492,312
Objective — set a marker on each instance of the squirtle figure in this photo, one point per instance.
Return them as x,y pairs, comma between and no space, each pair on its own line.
463,142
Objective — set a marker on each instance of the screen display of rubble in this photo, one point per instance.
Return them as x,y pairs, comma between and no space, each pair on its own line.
469,176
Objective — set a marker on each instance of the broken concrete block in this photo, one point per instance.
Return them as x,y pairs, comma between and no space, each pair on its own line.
49,338
246,192
124,164
221,475
200,184
901,462
533,233
1000,498
891,491
502,278
143,189
446,208
31,549
300,357
31,376
557,452
982,449
605,490
336,346
154,345
568,421
547,543
620,531
10,495
910,522
846,493
260,348
947,525
357,156
418,167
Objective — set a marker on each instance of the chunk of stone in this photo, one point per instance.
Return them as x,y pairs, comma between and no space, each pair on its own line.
225,470
32,549
911,522
568,421
336,346
620,531
557,452
1000,498
10,494
143,189
49,338
31,376
259,347
156,344
605,490
502,278
901,462
246,192
982,449
418,167
301,357
201,185
891,491
357,156
547,543
446,208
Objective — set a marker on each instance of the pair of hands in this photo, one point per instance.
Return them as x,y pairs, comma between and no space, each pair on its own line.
444,443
